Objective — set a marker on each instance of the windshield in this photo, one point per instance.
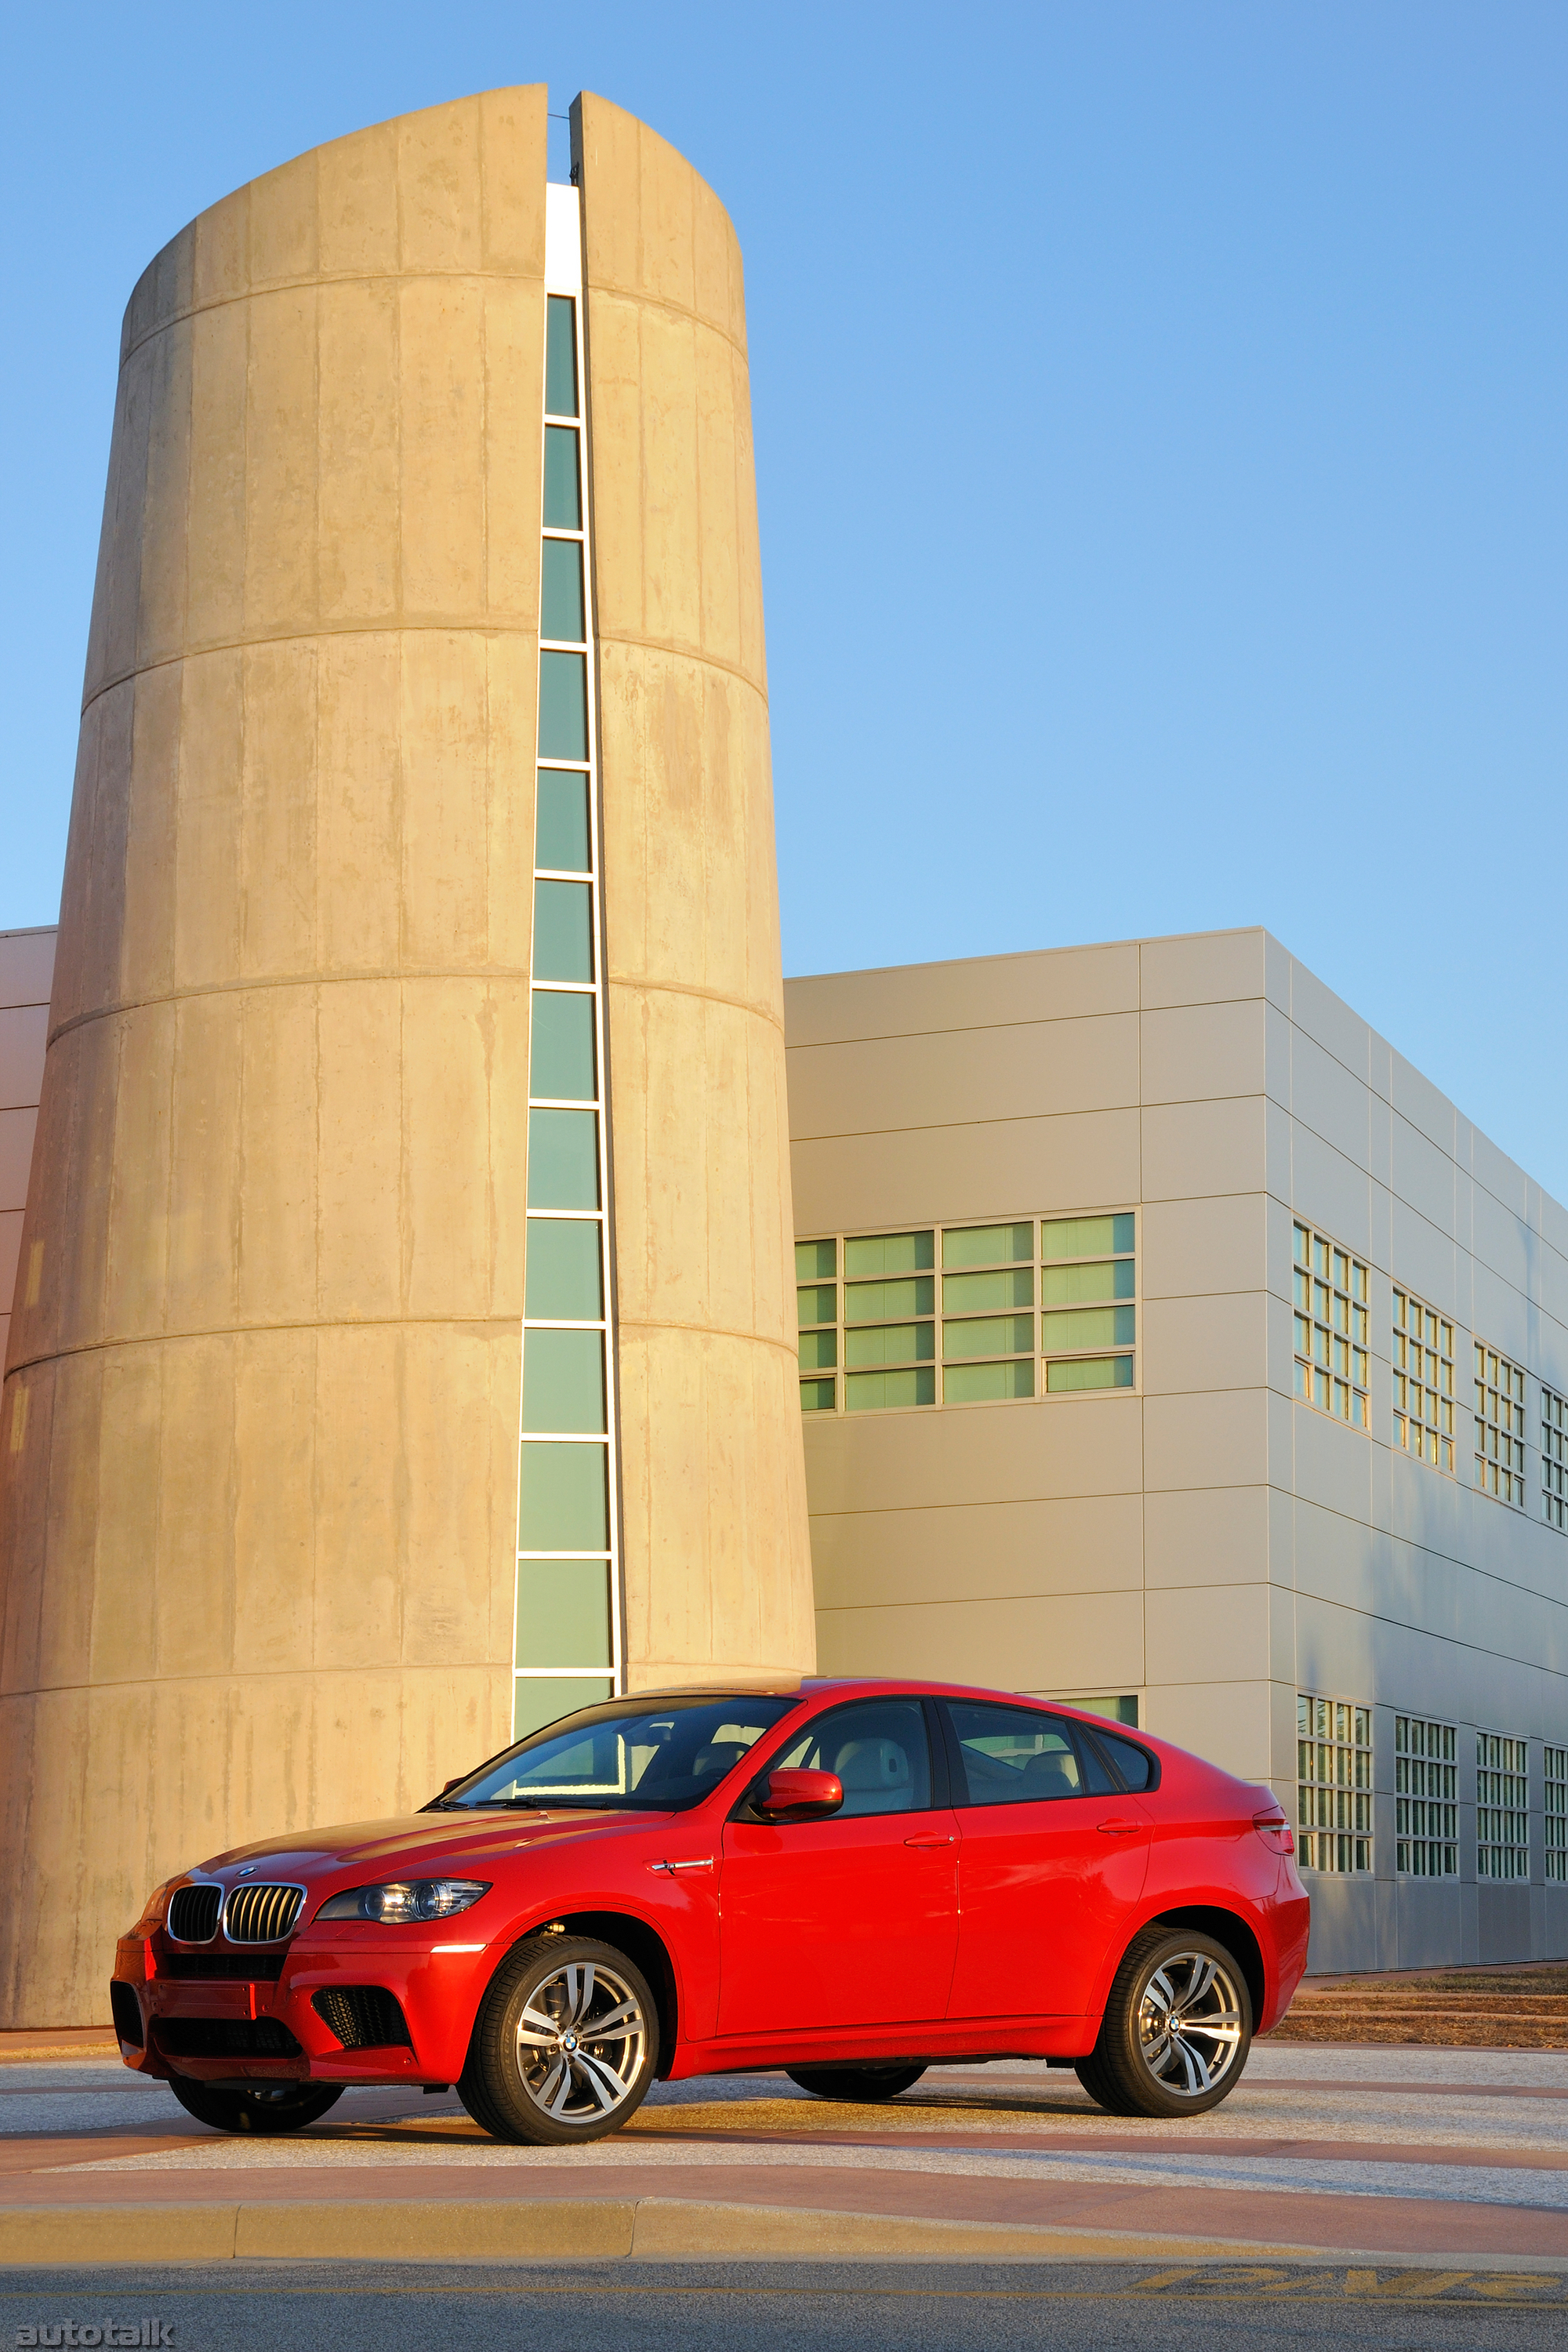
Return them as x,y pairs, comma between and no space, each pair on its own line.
659,1755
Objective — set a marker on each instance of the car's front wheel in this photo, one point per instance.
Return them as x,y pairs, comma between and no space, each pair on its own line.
858,2083
566,2043
1176,2030
261,2107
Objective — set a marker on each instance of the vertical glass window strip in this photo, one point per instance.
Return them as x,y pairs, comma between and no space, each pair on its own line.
1556,1814
987,1310
1088,1282
1426,1798
1554,1460
567,1644
1333,1773
1329,1289
1500,1426
1423,1353
1502,1807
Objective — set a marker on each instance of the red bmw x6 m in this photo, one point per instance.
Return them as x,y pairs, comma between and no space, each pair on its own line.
853,1881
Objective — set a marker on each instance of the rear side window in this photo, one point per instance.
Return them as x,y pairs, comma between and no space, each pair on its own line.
1013,1756
1135,1766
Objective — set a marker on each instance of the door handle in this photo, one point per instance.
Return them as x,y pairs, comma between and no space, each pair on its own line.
1118,1827
706,1863
927,1843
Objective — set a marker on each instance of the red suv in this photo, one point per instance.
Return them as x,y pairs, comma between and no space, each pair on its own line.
853,1881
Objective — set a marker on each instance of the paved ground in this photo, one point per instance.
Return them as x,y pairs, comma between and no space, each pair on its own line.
805,2307
1403,2154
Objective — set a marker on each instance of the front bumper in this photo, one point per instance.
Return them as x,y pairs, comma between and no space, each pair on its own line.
207,2028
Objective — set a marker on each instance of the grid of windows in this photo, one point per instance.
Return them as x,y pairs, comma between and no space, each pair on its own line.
1426,1798
966,1314
1554,1459
1330,1302
1422,1380
1334,1768
1500,1426
1556,1813
1502,1807
567,1640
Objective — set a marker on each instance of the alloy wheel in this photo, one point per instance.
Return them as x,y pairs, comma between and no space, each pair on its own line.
1190,2024
580,2040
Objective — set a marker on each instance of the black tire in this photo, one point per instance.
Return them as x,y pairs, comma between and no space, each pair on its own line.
266,2108
1138,2066
556,2082
861,2083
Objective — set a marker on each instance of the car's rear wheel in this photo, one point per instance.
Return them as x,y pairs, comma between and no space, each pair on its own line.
566,2043
261,2107
861,2083
1176,2030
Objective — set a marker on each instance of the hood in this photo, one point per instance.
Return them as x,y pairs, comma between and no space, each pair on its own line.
429,1843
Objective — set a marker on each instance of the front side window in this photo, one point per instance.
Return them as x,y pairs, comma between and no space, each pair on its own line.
654,1758
879,1750
1012,1755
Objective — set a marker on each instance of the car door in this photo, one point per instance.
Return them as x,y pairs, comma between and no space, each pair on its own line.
1052,1858
851,1920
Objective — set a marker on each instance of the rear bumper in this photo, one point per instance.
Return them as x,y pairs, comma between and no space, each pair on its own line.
216,2030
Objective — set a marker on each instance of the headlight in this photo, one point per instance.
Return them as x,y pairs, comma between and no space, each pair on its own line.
153,1910
400,1901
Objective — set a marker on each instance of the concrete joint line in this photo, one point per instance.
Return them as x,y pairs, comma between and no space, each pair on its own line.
501,1324
509,973
646,644
484,624
331,277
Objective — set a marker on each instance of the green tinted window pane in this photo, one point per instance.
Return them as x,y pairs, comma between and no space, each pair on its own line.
565,1275
818,1350
563,1611
880,1392
539,1699
1089,1372
1115,1710
561,1048
889,1253
989,1335
561,591
564,1506
563,706
562,1159
816,1396
814,1258
560,821
1085,1236
891,1343
878,1302
1091,1326
563,1382
987,1383
561,357
1067,1286
562,930
562,490
987,1244
971,1294
818,1303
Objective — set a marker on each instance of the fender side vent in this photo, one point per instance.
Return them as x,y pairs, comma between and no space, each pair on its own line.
364,2017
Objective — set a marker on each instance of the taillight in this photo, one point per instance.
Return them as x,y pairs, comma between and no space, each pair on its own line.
1276,1833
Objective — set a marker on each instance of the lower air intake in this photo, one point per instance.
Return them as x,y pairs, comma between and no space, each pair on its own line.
127,2011
225,2037
364,2017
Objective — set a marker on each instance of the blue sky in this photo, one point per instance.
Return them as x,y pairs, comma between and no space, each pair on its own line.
1160,420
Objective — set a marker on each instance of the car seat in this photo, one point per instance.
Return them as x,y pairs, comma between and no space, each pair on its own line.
1053,1773
876,1776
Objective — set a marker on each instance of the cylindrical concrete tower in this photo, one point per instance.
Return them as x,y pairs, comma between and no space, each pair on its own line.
414,980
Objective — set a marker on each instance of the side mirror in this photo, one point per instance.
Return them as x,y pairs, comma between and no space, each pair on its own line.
799,1795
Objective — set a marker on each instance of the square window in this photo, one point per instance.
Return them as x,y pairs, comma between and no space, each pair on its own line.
562,1159
563,1382
1089,1372
884,1392
564,1506
561,606
817,1396
1086,1236
987,1383
562,483
564,1281
812,1259
965,1245
563,706
973,1293
562,930
889,1253
560,835
561,1063
563,1610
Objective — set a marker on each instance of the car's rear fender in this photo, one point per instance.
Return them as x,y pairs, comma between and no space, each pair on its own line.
1215,1917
